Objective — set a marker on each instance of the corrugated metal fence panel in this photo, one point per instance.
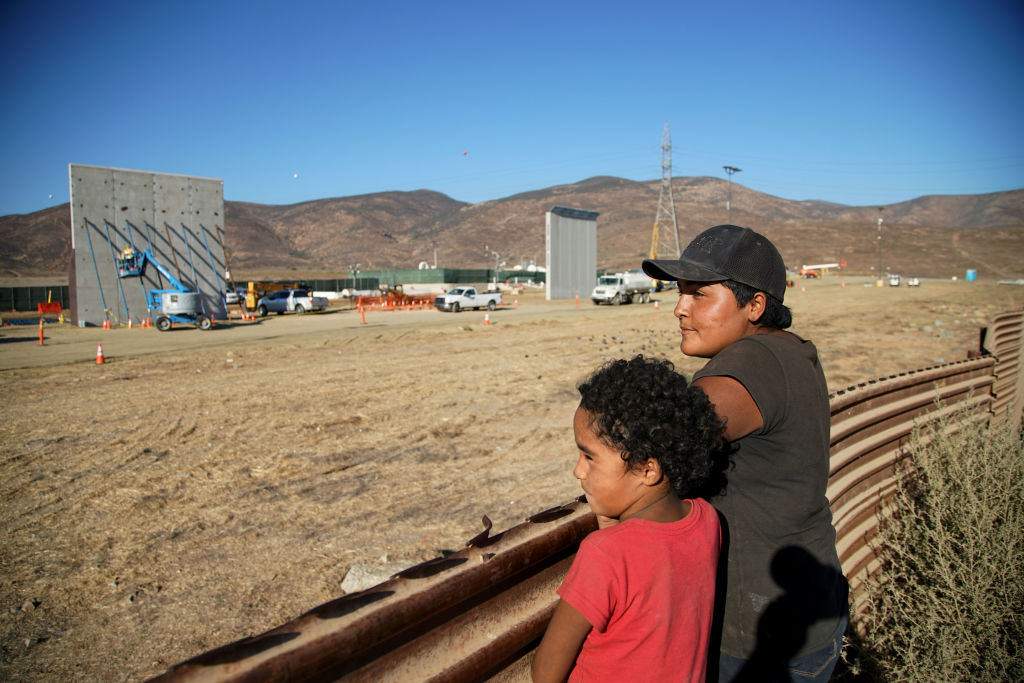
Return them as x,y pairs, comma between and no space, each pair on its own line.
871,422
467,617
1003,340
478,614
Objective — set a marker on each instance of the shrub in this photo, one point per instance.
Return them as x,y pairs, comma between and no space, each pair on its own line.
948,604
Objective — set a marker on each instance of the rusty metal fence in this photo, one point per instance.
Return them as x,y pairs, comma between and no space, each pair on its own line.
479,613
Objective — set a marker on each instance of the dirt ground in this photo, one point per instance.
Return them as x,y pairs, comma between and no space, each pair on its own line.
200,487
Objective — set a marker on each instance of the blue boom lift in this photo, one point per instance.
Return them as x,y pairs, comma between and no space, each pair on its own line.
166,306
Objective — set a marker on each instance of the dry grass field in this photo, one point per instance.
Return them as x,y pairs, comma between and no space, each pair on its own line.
199,487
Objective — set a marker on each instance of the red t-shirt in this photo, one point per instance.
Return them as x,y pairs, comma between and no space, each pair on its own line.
648,589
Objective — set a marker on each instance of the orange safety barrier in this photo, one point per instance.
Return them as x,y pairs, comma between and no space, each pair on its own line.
48,307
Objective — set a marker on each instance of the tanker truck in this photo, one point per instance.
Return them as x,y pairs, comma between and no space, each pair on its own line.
622,288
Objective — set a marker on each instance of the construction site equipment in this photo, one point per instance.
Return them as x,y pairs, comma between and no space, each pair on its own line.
166,306
819,269
396,298
622,288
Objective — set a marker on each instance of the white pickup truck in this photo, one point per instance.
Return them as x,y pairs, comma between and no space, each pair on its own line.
290,300
467,297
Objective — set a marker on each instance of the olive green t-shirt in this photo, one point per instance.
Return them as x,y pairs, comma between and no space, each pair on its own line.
783,585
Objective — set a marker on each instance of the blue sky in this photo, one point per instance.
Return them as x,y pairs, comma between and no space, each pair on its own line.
862,103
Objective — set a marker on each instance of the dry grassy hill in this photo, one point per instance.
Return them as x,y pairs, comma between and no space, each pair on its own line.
932,236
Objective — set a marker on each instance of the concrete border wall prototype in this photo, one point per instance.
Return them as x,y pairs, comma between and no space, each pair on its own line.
180,219
478,614
570,239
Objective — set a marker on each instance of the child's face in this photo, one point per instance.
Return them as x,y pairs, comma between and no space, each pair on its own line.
612,488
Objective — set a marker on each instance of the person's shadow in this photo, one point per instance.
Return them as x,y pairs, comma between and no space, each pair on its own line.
783,626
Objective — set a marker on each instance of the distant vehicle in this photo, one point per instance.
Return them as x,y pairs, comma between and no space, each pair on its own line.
622,288
467,297
809,273
290,300
256,290
232,298
913,282
894,280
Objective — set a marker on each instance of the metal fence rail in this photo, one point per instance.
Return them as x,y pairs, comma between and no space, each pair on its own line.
871,422
465,617
479,613
1003,340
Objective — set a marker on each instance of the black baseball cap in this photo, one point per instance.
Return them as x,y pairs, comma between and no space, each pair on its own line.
726,252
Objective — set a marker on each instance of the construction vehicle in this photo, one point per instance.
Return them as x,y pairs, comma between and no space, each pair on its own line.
622,288
818,269
178,304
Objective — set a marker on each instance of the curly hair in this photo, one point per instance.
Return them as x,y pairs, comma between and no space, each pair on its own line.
645,409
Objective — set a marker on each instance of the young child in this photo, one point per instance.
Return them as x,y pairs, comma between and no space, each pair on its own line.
637,601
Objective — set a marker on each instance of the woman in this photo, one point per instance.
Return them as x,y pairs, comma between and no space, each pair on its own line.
781,595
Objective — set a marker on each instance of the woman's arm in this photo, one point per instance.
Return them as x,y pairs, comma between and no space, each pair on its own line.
557,652
733,404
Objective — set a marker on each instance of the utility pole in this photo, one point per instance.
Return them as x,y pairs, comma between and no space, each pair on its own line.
488,251
354,272
729,170
665,240
880,209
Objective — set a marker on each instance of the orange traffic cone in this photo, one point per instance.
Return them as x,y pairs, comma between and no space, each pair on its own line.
487,318
129,323
106,324
655,304
100,360
40,331
516,302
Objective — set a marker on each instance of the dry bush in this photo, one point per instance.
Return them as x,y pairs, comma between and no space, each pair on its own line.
948,604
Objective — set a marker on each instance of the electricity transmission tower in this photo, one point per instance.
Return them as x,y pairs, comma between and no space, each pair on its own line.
665,238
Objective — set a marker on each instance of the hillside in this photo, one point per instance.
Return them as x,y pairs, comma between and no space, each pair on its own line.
931,236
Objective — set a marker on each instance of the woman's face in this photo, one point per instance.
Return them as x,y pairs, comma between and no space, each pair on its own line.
710,318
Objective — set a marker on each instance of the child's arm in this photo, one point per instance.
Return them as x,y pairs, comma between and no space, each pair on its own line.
557,652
